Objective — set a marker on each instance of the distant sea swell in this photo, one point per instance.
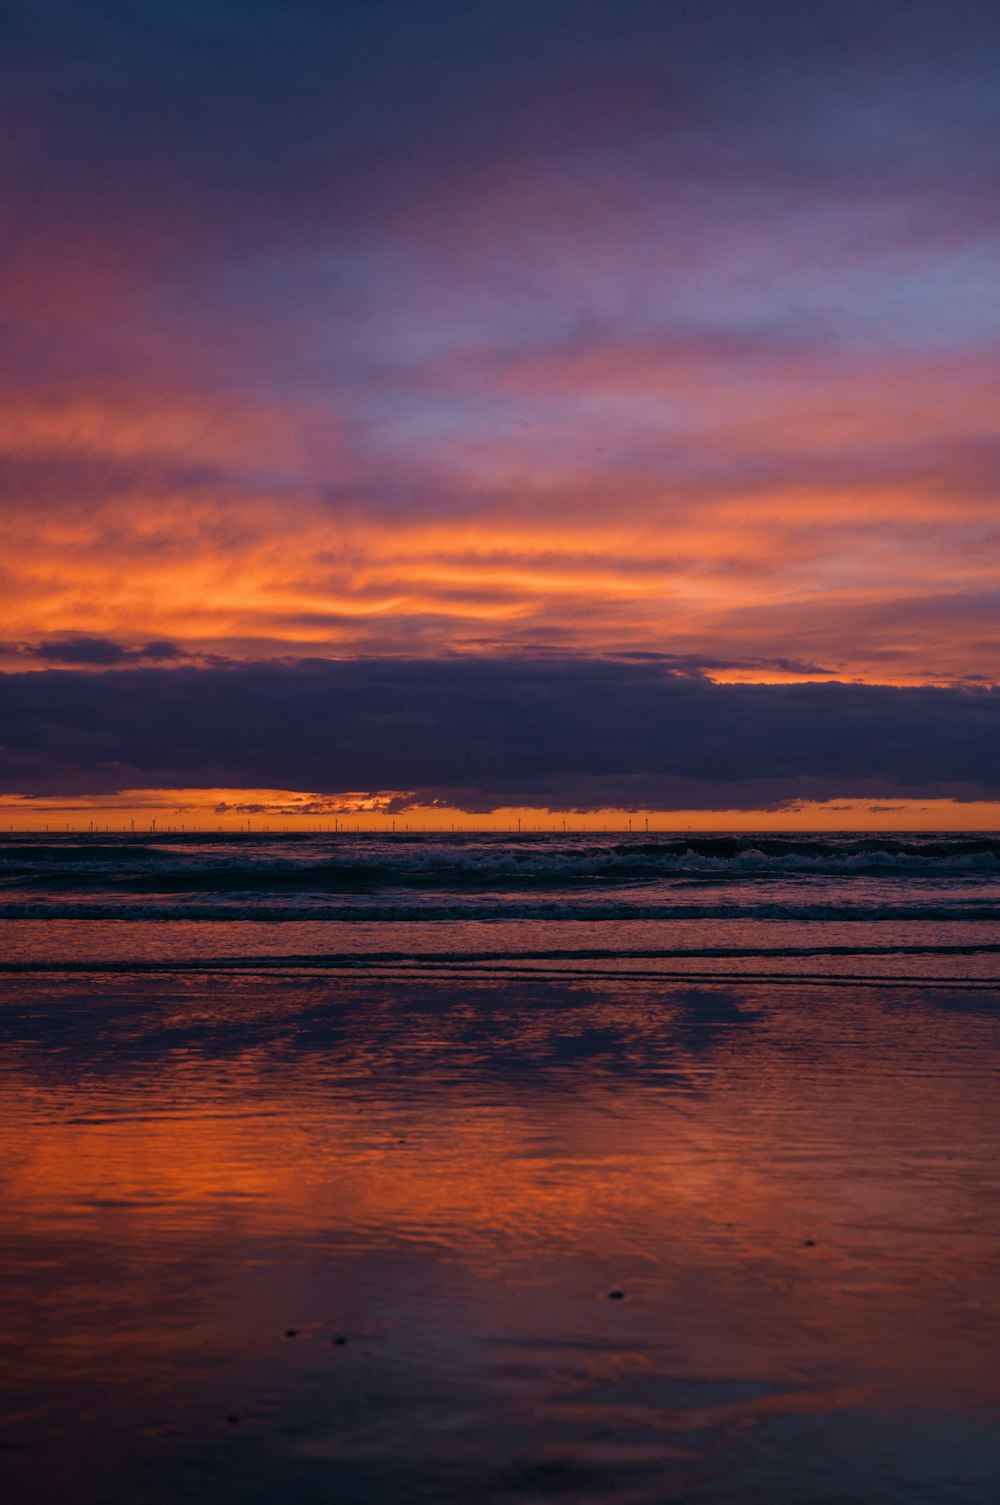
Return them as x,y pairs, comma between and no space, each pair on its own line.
204,863
559,900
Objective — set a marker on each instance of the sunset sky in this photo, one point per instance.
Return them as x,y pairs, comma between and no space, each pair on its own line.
543,406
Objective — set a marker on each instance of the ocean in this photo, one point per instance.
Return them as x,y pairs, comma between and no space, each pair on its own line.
771,905
618,1168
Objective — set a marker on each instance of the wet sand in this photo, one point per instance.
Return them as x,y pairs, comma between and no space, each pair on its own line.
271,1239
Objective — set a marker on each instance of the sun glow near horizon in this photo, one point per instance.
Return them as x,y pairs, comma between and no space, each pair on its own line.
263,811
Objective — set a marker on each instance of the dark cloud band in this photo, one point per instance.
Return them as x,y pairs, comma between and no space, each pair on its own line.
480,734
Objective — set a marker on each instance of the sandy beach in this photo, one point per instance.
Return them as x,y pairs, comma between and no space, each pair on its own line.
273,1238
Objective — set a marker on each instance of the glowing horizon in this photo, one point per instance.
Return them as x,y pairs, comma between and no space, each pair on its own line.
230,811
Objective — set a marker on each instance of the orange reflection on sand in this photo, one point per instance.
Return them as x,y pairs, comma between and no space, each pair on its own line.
815,1196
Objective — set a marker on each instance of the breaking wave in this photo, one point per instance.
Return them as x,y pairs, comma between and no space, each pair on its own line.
344,864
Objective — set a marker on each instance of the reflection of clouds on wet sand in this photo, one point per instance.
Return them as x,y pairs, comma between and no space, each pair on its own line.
792,1191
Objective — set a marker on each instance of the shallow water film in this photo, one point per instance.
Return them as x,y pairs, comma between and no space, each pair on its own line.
502,1220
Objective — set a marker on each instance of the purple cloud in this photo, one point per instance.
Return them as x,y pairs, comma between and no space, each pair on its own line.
478,734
